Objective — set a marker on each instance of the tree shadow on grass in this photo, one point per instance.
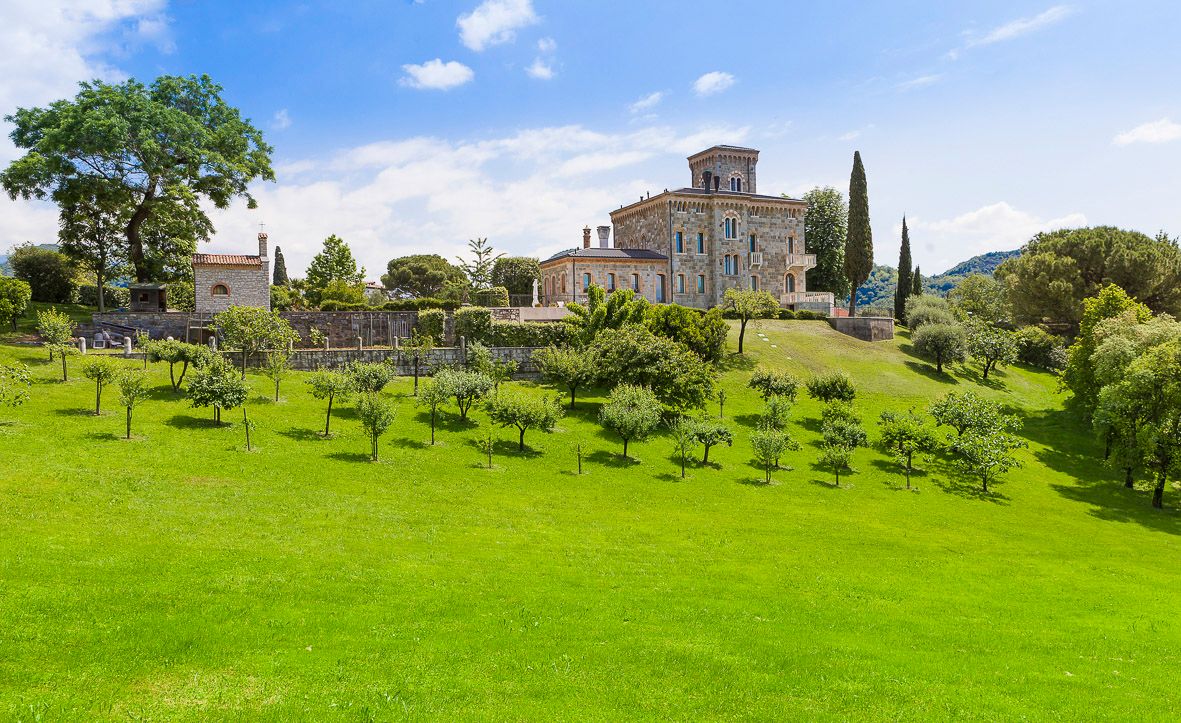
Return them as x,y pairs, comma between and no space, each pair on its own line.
106,436
74,412
350,456
733,362
976,376
185,421
747,420
412,443
301,434
756,481
611,459
930,372
453,423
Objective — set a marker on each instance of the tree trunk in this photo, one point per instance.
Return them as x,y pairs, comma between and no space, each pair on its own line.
572,397
837,469
741,333
135,247
705,454
98,398
1128,482
246,424
987,366
984,483
625,447
432,427
938,364
521,442
1158,492
244,355
682,465
171,377
328,419
909,457
65,376
129,423
374,447
276,390
99,275
852,308
416,374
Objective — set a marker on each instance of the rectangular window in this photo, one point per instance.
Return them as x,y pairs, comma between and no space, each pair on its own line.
700,243
701,283
754,283
610,282
636,283
680,283
680,242
752,243
585,282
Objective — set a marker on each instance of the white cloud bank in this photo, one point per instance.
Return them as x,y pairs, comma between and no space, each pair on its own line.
1016,28
712,82
495,22
942,243
1159,131
436,75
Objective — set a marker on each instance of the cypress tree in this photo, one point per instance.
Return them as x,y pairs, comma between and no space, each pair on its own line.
917,288
905,280
280,269
859,238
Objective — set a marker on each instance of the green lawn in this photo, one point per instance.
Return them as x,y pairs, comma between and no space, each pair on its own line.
177,576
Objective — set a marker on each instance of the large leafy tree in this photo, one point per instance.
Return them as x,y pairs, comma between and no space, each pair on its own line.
91,233
50,274
632,412
334,262
825,228
905,275
747,305
251,329
479,268
421,275
1079,374
634,355
164,148
859,241
981,297
1057,270
516,273
280,277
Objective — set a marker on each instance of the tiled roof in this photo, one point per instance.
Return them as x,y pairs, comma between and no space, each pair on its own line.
596,252
227,260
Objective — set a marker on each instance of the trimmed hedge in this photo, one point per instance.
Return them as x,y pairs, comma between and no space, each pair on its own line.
786,314
333,305
432,322
474,323
809,315
495,296
527,333
115,296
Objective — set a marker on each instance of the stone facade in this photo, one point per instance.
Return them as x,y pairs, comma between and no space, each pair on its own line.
566,277
865,328
224,280
711,239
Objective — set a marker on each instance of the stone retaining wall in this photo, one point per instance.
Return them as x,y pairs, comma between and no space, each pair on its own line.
865,328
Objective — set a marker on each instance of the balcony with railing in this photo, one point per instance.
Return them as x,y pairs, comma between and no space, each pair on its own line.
754,258
807,261
806,297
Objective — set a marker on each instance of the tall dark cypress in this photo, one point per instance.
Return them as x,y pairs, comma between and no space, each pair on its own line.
859,238
280,269
905,279
917,288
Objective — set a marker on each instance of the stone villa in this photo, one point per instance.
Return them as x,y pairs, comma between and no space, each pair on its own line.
224,280
689,245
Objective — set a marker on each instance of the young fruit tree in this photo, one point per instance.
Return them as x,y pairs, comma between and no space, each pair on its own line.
841,434
747,305
836,457
251,329
56,330
631,412
991,347
419,345
178,352
377,415
525,412
941,343
710,433
102,371
834,386
467,387
963,412
15,383
774,384
683,431
769,445
905,435
433,396
987,453
566,367
278,364
132,390
217,386
369,377
332,386
776,414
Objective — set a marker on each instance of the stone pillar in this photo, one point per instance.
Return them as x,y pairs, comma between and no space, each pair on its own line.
360,343
213,343
463,350
82,344
325,343
127,346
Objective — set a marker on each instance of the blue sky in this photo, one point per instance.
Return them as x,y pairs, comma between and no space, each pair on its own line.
412,126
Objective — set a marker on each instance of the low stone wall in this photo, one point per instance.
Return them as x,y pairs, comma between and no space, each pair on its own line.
865,328
158,325
375,328
402,360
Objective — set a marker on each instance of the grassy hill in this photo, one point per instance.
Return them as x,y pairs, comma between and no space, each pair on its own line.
176,576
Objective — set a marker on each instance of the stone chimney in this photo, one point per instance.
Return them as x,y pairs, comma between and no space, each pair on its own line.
586,237
262,245
604,236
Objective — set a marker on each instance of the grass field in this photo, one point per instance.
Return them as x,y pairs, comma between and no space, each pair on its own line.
179,577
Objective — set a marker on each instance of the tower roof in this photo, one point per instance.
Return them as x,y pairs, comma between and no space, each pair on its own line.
728,149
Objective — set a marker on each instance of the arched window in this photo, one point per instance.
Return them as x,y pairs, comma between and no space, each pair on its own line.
700,243
563,283
219,290
736,183
731,227
791,244
680,242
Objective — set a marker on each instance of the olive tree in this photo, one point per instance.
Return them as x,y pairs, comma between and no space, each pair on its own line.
102,371
631,412
251,329
747,305
524,412
330,385
219,387
565,366
941,343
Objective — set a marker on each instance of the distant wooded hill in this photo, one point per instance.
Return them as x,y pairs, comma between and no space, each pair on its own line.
878,290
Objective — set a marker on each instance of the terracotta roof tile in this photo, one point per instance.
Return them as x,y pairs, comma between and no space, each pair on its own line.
227,259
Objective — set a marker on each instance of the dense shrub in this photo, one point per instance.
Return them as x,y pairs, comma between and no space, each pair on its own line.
114,296
809,315
473,323
332,305
431,322
181,296
1039,348
704,333
926,309
833,386
495,296
50,274
786,314
528,333
634,355
419,304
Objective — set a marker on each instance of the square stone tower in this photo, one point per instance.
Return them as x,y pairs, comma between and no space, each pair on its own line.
724,168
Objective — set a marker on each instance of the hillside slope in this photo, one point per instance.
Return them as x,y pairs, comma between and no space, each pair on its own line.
177,576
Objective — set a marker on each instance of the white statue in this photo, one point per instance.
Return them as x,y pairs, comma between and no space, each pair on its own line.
536,301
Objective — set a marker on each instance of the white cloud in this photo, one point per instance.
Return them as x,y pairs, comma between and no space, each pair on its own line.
282,120
1023,26
48,46
494,22
155,29
547,45
1160,131
648,102
713,82
436,75
919,82
540,70
850,136
941,243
